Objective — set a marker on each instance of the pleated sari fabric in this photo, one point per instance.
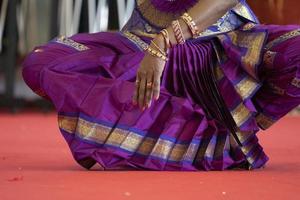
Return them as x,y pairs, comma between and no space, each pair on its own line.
216,94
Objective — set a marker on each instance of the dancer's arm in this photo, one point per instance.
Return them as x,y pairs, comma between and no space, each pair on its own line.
204,13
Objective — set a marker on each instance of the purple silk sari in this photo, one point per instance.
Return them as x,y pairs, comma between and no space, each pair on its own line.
217,92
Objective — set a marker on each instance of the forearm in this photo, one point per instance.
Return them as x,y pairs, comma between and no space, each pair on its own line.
204,13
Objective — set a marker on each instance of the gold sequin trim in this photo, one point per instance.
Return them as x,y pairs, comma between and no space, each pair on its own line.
296,82
283,38
71,43
263,121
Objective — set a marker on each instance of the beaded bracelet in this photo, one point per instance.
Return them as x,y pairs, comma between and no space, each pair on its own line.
178,32
191,24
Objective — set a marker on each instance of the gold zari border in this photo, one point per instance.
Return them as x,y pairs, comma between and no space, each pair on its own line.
282,38
71,43
127,140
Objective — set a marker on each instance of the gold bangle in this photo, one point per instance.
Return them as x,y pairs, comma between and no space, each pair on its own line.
158,48
166,36
178,32
156,53
191,24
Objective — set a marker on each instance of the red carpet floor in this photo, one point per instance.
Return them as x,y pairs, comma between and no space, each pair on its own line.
35,163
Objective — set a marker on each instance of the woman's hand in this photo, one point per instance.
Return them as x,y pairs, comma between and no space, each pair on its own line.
148,77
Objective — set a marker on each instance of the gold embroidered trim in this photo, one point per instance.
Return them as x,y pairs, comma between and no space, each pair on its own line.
128,140
296,82
282,38
263,121
69,42
246,87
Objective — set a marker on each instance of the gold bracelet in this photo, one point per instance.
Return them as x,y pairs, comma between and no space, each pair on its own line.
158,48
191,24
178,32
157,53
166,36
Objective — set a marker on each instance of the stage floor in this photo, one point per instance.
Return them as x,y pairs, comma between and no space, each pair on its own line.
35,163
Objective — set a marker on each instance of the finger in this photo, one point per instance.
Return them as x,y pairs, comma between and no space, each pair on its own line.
149,90
142,89
136,90
156,85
